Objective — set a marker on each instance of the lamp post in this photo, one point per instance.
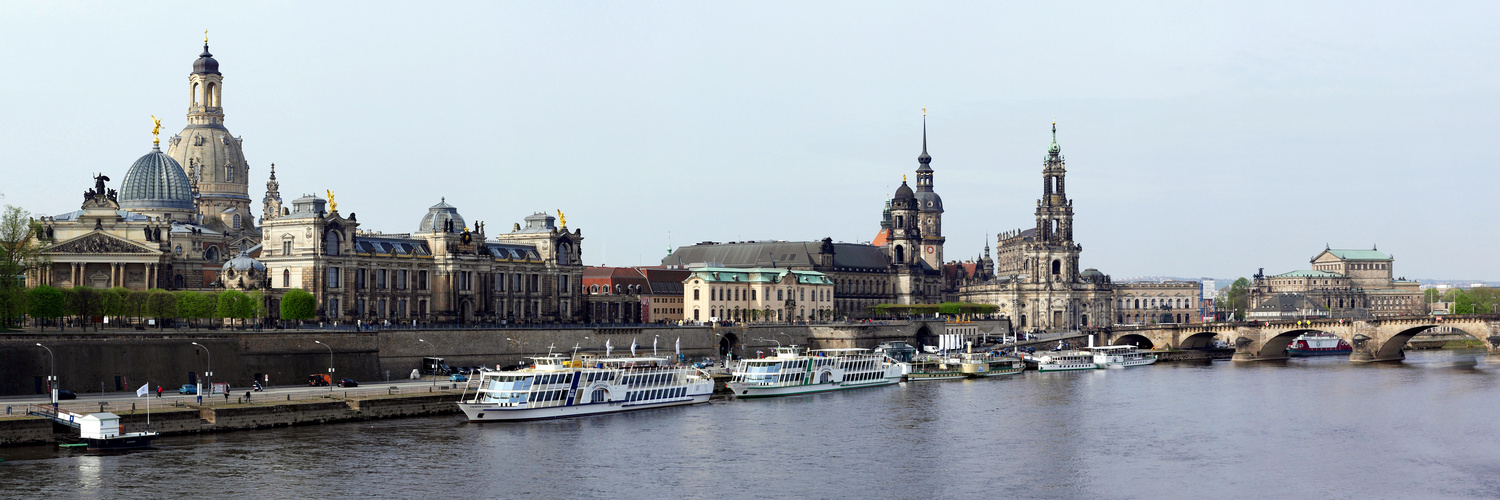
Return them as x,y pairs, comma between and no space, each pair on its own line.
51,379
330,363
789,338
434,355
208,375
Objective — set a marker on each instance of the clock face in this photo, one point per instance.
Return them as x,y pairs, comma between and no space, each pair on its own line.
931,249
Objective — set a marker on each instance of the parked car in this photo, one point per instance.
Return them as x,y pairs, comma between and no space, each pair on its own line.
66,394
348,382
458,377
319,380
187,389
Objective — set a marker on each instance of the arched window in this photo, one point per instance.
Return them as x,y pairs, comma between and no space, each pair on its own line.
593,288
564,254
695,297
228,173
211,254
236,221
331,243
211,97
286,278
1056,267
900,254
197,94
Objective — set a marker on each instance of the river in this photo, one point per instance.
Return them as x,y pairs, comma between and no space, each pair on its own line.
1308,428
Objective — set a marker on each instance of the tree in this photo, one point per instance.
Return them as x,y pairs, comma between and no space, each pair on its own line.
87,303
115,303
45,302
12,306
298,305
1432,295
161,305
1238,298
233,304
258,305
136,303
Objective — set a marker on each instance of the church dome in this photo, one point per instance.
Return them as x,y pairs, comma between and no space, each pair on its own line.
244,263
156,181
904,193
439,214
206,63
929,201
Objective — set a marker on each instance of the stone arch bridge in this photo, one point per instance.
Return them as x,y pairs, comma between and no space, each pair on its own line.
1381,339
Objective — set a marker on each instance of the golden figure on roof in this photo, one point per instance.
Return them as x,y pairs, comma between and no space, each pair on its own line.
156,130
333,206
562,220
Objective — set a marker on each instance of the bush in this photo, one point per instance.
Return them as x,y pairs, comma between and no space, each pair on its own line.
297,304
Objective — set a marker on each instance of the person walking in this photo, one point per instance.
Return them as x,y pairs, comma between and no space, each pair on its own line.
158,392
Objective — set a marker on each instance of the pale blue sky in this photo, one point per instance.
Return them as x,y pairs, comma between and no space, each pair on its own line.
1203,139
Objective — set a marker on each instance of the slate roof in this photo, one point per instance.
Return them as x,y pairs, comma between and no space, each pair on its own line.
1306,273
397,246
515,252
854,256
156,181
758,275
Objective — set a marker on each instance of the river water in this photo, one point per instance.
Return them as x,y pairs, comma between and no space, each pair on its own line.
1428,427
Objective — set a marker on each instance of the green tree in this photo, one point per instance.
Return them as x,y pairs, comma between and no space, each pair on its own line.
87,303
1432,295
12,306
299,305
233,304
1237,299
115,304
257,300
136,303
161,305
45,302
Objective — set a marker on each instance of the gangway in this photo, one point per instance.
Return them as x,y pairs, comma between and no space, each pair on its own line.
64,417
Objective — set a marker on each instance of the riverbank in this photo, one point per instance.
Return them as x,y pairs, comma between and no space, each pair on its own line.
335,406
1193,355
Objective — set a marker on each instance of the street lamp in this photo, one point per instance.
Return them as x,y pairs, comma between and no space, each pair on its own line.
330,363
789,338
434,355
209,374
52,379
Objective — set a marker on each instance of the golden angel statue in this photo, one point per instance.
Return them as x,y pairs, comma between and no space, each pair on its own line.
333,206
155,130
562,220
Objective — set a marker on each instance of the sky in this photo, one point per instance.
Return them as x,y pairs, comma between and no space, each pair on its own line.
1201,138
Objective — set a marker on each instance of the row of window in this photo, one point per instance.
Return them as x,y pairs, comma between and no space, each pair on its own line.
737,294
657,394
1178,303
619,289
378,279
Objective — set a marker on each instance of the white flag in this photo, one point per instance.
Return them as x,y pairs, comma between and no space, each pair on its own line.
679,346
653,346
144,390
632,346
607,347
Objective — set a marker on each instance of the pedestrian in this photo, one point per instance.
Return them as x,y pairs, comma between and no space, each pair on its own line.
247,396
158,392
226,396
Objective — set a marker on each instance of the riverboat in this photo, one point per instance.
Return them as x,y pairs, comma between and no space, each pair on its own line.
795,370
979,365
933,367
1120,356
557,386
1318,344
1061,361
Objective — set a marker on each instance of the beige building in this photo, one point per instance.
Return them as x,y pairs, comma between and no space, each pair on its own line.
444,271
1138,302
757,294
1350,283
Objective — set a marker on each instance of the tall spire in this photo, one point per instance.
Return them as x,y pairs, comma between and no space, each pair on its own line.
924,158
1054,148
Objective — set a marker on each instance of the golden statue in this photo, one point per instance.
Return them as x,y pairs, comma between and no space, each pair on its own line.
562,220
205,37
155,131
903,178
333,206
924,111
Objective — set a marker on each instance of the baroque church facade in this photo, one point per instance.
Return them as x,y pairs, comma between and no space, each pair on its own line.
182,220
1038,284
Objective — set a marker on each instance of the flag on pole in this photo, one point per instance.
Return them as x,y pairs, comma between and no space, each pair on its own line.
632,346
607,347
653,345
679,346
144,390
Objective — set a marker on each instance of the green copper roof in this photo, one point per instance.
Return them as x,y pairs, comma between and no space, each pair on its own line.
1308,274
1360,254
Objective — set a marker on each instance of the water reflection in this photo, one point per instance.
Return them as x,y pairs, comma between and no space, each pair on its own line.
1306,427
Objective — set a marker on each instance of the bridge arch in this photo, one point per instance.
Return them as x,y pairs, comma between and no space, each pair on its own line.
1200,340
1274,347
1135,339
1392,348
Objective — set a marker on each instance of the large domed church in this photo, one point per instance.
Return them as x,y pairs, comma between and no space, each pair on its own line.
177,216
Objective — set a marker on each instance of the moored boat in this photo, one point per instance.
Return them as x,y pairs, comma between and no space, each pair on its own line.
1061,361
795,370
1318,344
989,365
1120,356
933,367
556,386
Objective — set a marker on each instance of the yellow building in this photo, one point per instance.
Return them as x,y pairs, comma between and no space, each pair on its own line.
757,294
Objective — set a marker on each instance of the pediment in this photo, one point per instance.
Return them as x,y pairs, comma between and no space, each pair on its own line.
100,243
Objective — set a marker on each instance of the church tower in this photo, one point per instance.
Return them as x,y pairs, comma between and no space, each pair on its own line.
929,208
271,204
213,159
1058,256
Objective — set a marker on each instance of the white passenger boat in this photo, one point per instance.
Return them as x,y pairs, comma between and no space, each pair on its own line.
933,367
1120,356
794,370
559,386
1061,361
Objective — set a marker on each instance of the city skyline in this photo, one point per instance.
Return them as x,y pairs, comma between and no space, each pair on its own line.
1189,171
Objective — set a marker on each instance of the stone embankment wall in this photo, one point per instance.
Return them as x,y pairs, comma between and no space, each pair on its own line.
176,421
122,361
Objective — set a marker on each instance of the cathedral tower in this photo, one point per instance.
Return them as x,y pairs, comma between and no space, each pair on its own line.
213,159
1054,220
930,208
